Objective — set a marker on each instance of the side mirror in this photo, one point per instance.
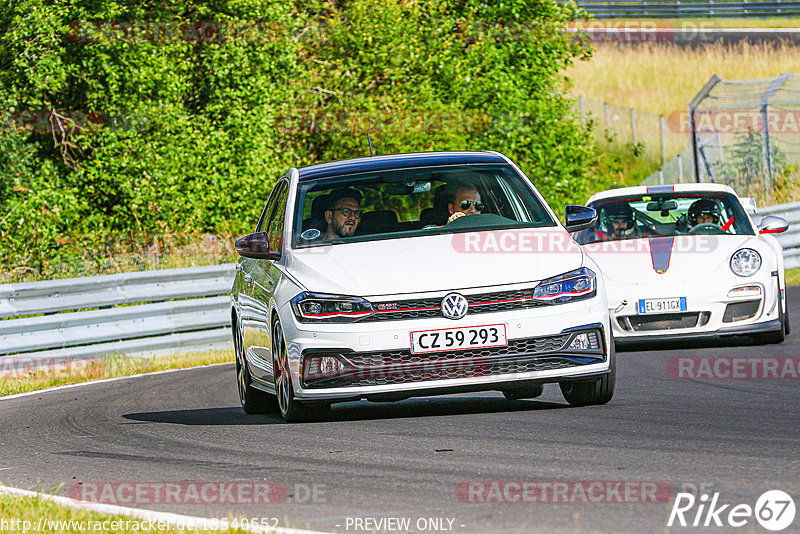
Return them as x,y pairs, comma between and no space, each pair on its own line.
256,246
772,225
579,218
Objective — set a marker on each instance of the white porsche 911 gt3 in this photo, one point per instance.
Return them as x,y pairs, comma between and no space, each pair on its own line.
687,261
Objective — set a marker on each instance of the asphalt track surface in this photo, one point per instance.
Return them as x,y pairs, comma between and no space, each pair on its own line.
407,459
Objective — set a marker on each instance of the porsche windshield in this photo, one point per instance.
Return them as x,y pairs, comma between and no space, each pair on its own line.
415,201
670,214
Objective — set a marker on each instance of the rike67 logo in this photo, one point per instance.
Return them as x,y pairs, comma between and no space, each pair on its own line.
774,510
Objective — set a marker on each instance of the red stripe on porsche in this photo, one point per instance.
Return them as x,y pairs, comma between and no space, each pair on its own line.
660,253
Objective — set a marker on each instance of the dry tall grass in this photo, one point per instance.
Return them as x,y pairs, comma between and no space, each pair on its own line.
662,78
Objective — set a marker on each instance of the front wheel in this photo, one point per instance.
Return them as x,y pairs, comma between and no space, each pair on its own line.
253,400
292,410
595,391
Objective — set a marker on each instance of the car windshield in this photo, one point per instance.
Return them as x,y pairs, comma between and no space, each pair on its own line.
669,214
416,201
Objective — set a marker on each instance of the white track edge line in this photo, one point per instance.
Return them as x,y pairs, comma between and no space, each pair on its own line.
106,380
187,521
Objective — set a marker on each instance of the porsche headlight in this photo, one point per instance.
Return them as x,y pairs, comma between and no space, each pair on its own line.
309,307
574,285
745,262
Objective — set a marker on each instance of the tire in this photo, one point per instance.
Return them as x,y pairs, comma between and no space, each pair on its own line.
526,392
595,391
290,409
254,401
780,335
786,326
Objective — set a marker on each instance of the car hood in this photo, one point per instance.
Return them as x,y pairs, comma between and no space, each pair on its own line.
435,263
665,259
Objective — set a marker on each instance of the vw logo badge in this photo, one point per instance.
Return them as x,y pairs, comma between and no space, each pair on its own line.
454,306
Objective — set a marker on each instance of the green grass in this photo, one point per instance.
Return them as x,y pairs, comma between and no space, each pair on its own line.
32,509
793,277
662,78
112,367
112,263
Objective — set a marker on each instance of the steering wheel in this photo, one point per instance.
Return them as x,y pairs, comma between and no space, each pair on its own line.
706,228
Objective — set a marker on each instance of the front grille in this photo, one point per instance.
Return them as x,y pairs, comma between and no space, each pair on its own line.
740,311
442,371
431,307
536,345
667,321
401,367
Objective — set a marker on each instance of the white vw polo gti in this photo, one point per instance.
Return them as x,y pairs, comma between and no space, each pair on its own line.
390,277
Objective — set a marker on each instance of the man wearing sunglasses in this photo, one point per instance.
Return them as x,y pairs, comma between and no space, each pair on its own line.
343,213
465,201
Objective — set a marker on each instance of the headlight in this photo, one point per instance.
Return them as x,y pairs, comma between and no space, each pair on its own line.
310,307
575,285
745,262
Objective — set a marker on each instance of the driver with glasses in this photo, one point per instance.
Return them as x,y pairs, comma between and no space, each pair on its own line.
343,213
465,201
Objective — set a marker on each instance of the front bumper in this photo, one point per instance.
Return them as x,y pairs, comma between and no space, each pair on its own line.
380,364
711,311
742,330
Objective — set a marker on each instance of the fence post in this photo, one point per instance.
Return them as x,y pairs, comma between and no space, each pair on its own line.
663,143
661,176
633,127
690,109
766,147
680,168
608,116
583,116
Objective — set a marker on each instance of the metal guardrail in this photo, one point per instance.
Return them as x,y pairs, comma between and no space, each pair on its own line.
689,8
790,239
150,312
136,314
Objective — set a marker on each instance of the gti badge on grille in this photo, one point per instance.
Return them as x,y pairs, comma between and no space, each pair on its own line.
454,306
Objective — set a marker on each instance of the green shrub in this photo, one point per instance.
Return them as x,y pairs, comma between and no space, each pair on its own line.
146,118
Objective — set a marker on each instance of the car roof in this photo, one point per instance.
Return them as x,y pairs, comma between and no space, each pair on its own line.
641,190
399,161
